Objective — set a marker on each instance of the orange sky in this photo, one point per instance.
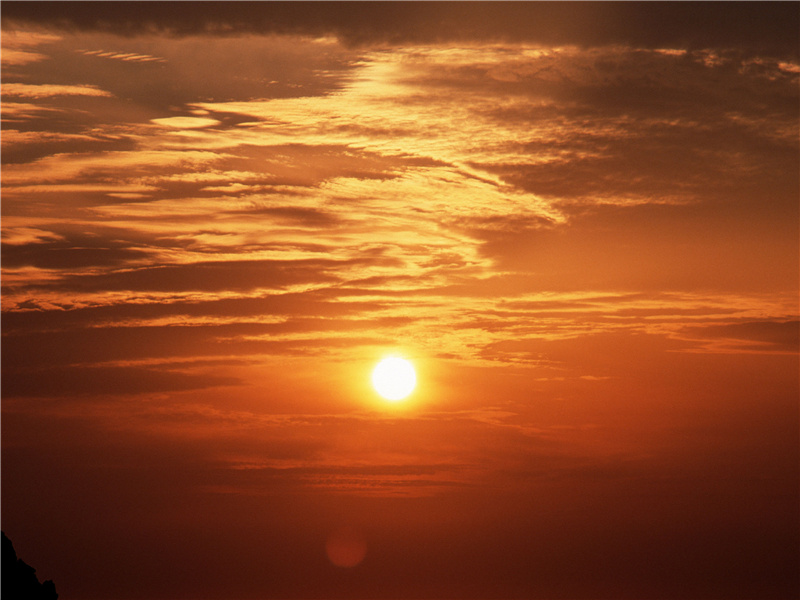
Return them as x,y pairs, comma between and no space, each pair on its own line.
578,221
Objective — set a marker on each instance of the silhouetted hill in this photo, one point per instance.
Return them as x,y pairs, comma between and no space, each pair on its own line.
18,579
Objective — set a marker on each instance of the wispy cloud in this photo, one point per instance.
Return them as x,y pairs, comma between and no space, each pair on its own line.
40,91
124,56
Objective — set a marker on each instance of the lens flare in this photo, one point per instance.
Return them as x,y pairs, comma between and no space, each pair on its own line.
346,547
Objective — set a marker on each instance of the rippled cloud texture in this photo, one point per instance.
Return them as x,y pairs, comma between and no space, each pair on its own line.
580,221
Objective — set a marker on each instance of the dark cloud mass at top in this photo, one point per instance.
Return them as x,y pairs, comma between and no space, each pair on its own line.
753,27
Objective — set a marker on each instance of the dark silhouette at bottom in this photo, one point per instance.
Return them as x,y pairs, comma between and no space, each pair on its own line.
18,579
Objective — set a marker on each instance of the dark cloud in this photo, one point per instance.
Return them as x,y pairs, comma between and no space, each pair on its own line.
655,128
764,27
33,148
75,381
73,253
774,335
111,343
298,214
323,303
249,68
238,275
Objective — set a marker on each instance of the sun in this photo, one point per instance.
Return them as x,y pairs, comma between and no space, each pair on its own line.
394,378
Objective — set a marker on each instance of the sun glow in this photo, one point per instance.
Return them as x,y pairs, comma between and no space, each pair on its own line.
394,378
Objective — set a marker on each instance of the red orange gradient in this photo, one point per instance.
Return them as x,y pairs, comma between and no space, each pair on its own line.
578,221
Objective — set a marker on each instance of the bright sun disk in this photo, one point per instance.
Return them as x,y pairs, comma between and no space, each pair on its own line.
394,378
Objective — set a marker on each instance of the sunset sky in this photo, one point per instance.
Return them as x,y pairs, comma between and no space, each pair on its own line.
579,222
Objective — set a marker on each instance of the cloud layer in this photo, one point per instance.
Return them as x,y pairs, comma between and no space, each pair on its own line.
583,234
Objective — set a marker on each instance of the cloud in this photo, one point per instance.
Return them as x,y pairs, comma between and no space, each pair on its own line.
17,111
75,381
12,137
16,47
186,122
54,251
42,91
767,29
501,205
21,236
578,221
19,57
104,172
124,56
208,276
749,336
